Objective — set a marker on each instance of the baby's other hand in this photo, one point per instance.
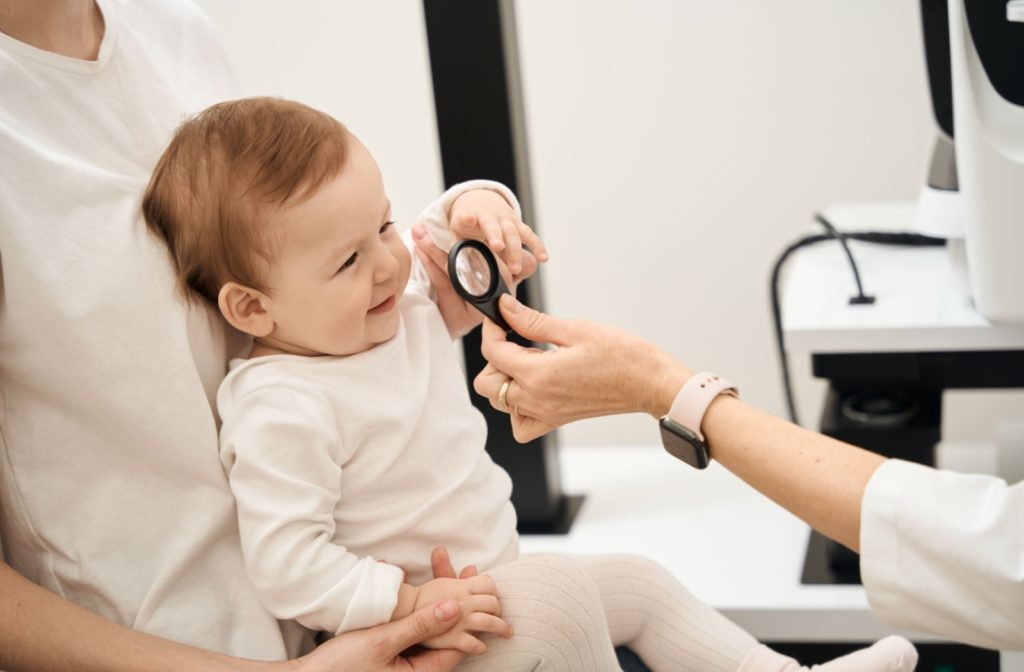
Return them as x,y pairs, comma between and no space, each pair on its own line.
485,215
481,611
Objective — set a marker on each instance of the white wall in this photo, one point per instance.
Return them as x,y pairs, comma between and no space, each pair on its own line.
676,147
365,63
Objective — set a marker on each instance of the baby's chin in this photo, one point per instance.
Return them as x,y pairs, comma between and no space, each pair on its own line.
373,341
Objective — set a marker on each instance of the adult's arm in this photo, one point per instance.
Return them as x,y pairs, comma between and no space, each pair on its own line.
41,631
941,552
599,370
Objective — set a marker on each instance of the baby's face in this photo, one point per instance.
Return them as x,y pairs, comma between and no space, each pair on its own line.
339,267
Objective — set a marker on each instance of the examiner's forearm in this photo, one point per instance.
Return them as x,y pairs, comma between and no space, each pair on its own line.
815,477
41,631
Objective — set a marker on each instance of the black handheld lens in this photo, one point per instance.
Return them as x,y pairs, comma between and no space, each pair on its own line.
474,274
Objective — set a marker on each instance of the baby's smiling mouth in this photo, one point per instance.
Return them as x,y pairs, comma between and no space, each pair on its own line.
384,306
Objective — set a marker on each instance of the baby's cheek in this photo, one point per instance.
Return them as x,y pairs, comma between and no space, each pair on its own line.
405,265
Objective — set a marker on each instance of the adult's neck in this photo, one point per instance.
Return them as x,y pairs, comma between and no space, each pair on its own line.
71,28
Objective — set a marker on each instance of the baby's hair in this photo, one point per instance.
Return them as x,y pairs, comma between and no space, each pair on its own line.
222,170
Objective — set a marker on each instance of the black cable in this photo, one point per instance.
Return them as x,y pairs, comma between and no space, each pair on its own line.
861,298
907,239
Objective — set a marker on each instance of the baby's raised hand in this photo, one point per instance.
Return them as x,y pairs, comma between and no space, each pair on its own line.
485,215
481,611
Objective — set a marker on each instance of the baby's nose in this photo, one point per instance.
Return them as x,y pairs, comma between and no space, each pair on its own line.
387,268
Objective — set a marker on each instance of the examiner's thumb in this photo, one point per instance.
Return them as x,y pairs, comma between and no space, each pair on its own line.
532,324
422,624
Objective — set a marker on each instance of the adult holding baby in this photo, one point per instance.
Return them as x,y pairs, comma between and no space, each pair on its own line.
112,496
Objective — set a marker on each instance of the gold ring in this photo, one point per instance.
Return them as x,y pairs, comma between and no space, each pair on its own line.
503,394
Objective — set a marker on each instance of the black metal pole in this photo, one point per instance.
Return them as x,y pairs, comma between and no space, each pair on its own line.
477,96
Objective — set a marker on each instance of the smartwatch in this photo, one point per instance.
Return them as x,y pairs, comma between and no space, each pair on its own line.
680,429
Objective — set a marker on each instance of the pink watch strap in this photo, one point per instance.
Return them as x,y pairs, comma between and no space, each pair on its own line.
693,400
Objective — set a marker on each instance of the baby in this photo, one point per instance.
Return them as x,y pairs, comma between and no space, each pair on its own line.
348,434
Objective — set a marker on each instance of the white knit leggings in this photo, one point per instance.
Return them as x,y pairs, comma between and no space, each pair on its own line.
569,612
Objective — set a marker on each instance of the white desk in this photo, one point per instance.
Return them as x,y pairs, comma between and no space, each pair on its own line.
919,307
728,544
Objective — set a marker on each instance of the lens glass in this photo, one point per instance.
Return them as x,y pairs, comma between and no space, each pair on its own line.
473,271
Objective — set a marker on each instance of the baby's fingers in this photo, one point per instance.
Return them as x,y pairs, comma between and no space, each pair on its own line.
457,638
513,245
484,604
481,622
467,643
480,585
532,241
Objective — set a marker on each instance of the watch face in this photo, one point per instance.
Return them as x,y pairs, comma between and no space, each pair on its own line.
683,444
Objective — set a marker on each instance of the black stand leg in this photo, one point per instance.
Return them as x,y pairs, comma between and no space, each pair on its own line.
474,67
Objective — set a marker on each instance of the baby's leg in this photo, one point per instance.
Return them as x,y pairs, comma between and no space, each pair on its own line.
670,629
558,618
649,611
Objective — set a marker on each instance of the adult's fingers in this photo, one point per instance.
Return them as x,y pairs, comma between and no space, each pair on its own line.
535,325
424,623
506,357
442,568
435,660
489,381
441,564
526,428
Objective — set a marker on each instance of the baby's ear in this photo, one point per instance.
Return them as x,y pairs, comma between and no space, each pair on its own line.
245,309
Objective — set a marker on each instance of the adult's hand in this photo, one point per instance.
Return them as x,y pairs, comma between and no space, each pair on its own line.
594,370
380,649
441,566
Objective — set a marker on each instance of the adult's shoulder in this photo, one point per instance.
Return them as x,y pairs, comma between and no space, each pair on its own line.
181,16
182,41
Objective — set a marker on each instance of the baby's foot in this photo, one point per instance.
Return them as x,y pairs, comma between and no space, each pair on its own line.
891,654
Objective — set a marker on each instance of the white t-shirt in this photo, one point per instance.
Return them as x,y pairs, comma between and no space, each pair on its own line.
943,552
338,462
111,489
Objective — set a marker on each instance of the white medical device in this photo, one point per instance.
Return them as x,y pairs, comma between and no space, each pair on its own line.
975,191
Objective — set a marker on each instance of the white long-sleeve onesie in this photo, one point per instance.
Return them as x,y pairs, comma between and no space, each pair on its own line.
337,463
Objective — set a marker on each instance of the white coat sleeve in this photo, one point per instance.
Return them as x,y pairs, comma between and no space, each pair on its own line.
943,552
282,454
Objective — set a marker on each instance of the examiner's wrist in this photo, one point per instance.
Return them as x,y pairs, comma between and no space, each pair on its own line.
669,377
714,417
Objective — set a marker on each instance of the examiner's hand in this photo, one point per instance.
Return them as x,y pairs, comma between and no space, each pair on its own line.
380,649
594,370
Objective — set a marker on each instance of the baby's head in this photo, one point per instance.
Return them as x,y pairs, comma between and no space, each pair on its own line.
277,215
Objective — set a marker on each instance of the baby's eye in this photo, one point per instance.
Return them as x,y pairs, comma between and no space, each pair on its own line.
348,262
388,225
